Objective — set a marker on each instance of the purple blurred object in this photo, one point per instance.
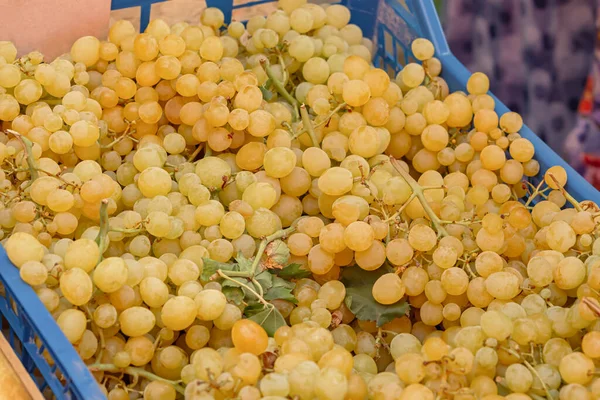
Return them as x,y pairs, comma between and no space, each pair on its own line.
537,53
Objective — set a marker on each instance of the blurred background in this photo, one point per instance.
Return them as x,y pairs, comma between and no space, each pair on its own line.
543,62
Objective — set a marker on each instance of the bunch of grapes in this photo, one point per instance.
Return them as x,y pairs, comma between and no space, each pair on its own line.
256,212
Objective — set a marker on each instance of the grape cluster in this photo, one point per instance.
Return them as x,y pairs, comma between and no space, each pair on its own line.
256,212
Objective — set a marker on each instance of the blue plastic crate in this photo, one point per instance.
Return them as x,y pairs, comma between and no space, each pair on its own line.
393,24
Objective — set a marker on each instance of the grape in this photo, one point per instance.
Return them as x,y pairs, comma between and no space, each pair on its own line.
511,122
576,368
336,181
518,378
331,384
358,236
422,49
211,304
478,83
356,93
422,238
72,323
156,159
110,274
76,286
179,312
502,285
22,247
279,162
34,273
412,75
388,289
136,321
302,48
569,273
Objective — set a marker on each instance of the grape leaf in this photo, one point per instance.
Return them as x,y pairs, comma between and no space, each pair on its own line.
265,280
292,271
270,319
253,308
267,94
277,254
242,283
280,292
244,264
211,266
234,294
279,282
233,283
359,297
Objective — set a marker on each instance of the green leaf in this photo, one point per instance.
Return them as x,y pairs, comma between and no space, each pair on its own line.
241,283
277,253
244,264
359,298
265,279
270,319
267,94
253,308
279,282
234,294
292,271
280,292
233,283
211,266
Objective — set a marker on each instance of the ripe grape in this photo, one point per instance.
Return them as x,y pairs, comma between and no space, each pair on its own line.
173,211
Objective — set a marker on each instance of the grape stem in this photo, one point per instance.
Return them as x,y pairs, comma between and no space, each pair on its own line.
280,88
127,231
406,203
535,193
570,198
282,64
530,368
307,125
467,268
258,286
261,250
125,134
27,146
57,176
104,227
135,372
290,129
328,117
591,305
418,192
196,152
248,288
100,333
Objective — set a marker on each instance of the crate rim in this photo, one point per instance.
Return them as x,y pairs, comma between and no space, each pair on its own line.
79,379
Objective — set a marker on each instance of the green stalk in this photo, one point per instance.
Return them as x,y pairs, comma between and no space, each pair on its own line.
334,111
569,198
136,372
30,159
196,152
27,146
104,227
307,125
248,288
418,191
261,250
280,87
